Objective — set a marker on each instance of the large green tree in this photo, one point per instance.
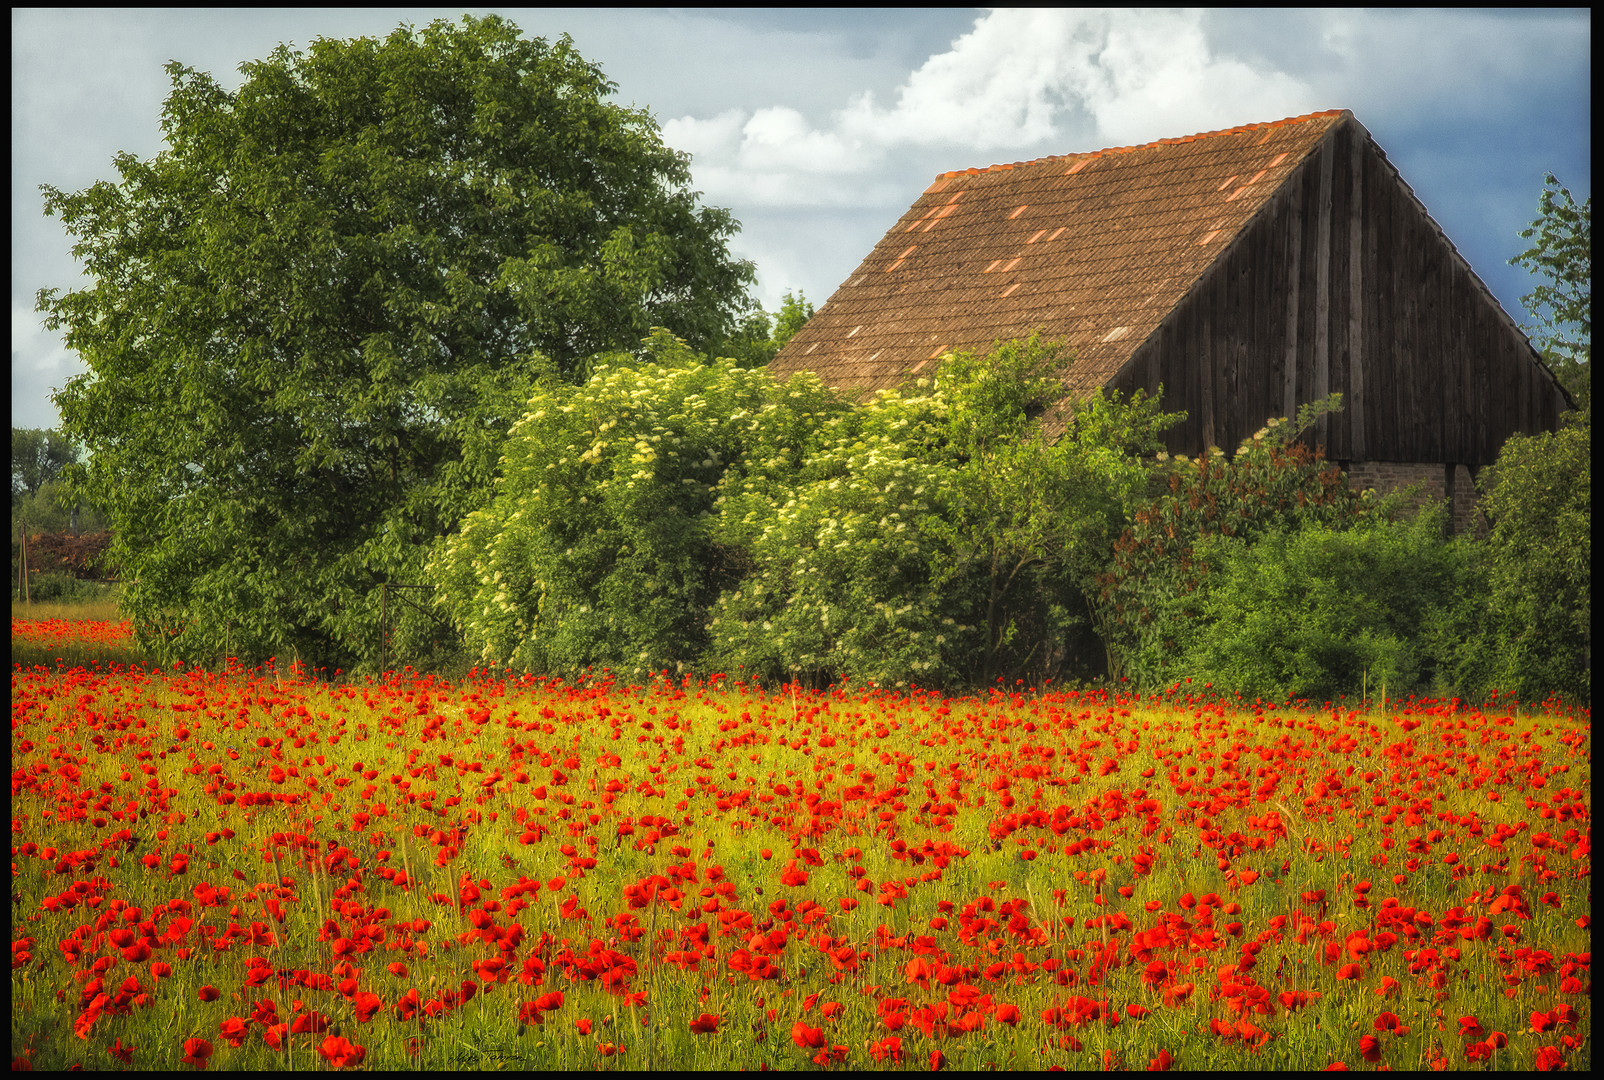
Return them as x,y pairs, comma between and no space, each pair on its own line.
315,315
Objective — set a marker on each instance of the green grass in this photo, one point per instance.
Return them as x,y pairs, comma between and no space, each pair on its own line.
101,609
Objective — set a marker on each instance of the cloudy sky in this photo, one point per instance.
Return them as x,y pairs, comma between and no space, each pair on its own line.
818,129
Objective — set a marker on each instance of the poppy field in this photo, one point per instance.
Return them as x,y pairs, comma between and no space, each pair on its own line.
56,641
258,869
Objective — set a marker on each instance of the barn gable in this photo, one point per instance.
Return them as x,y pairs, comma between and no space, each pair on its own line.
1248,271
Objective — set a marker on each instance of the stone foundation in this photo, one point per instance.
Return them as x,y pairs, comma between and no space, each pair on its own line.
1437,481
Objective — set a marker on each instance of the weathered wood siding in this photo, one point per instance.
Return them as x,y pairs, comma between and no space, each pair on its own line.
1342,282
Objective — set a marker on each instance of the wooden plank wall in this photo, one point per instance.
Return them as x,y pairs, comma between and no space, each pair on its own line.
1342,283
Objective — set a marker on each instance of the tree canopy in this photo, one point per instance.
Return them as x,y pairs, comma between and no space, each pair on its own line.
1562,253
760,336
37,458
314,316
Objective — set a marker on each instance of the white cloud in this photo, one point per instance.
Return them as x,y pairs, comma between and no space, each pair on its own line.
1159,78
1001,84
779,138
716,137
1027,82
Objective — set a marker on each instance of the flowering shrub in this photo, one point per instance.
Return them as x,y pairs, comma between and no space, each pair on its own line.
842,576
679,513
938,536
597,548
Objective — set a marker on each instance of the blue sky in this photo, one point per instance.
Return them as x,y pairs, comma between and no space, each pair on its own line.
817,129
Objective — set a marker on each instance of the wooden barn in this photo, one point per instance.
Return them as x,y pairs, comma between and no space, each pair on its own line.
1248,271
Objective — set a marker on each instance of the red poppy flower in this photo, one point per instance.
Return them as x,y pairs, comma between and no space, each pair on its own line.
340,1053
1177,994
197,1052
705,1024
808,1038
366,1006
234,1030
1548,1059
314,1022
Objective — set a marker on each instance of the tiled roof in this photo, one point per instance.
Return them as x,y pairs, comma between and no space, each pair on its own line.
1093,248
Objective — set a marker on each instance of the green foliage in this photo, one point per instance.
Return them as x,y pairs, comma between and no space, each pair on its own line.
1318,612
40,500
38,458
59,587
1149,599
316,314
841,579
678,513
937,537
1562,254
760,336
794,313
54,509
39,494
599,547
1533,638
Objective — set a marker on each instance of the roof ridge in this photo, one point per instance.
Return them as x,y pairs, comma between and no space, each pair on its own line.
1238,130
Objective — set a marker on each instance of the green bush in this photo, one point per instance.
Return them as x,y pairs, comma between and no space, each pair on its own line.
678,513
841,558
1533,636
59,586
598,548
1319,612
1149,598
938,536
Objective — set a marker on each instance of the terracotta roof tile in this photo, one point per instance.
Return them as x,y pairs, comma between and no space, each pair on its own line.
1096,248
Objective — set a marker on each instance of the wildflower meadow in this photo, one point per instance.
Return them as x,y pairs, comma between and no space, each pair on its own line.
266,869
